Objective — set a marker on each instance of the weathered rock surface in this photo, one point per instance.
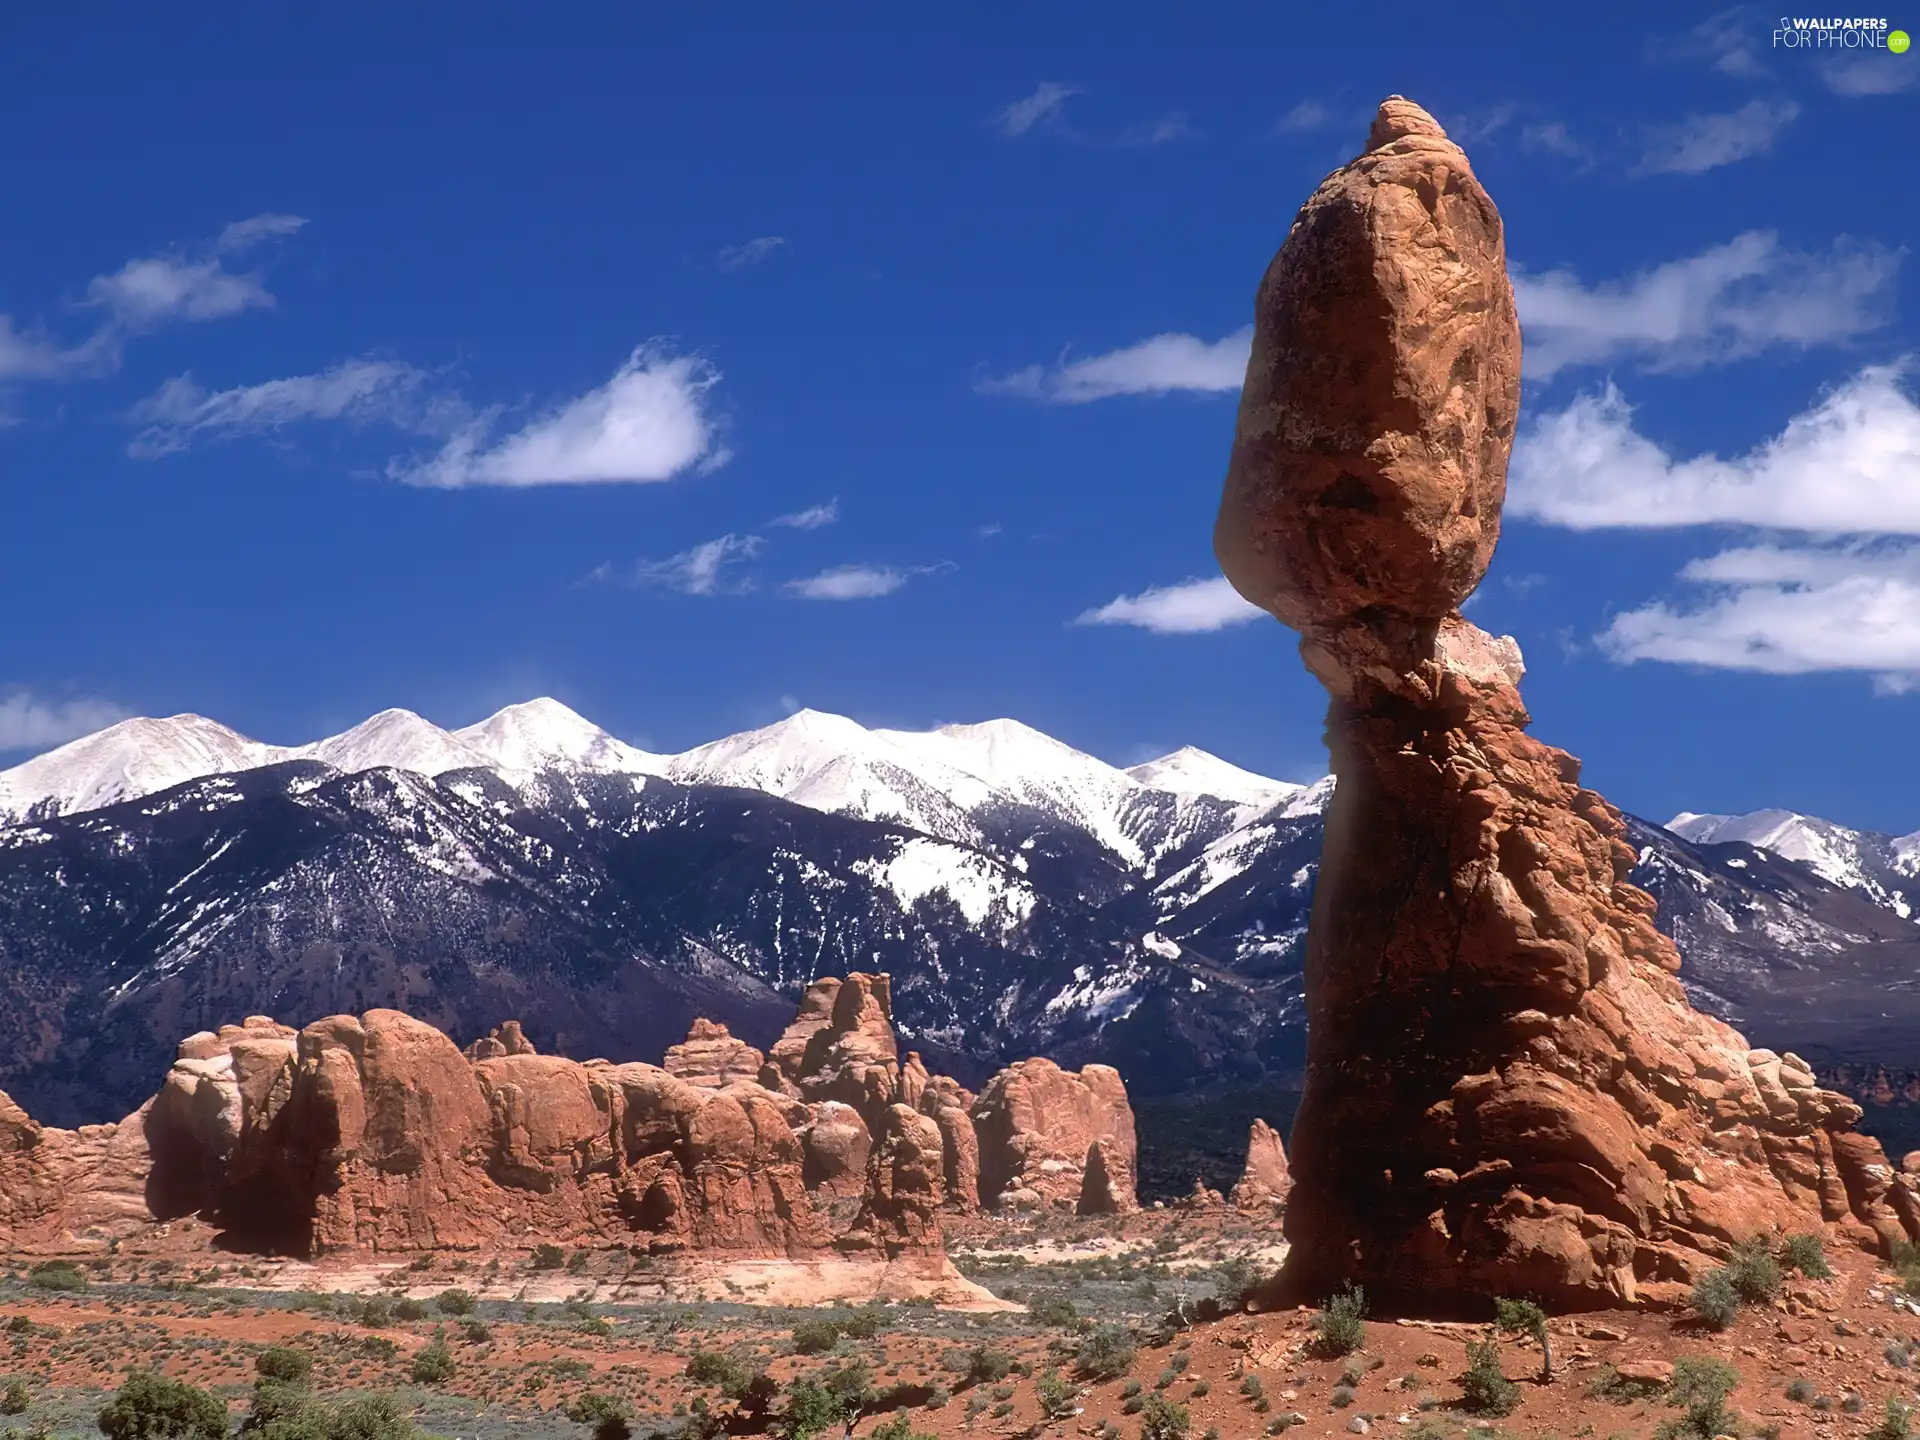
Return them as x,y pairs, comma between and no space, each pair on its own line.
1507,1091
1265,1180
711,1056
1050,1137
837,1146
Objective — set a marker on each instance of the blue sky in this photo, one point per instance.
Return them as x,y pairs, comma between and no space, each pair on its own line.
694,365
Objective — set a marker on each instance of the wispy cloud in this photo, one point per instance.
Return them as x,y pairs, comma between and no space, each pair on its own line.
30,722
1848,465
700,570
811,518
189,284
1727,41
1878,74
650,422
1705,142
739,257
1169,127
1156,366
1189,608
1789,610
359,391
1553,137
1307,117
1732,301
1044,107
860,582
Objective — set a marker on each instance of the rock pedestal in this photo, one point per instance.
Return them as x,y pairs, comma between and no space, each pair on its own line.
1507,1091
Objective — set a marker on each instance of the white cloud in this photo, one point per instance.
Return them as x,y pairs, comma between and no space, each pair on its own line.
850,582
33,355
1789,611
1870,75
1043,107
650,422
739,257
180,412
1171,126
1731,301
1156,366
28,722
1188,608
1705,142
1306,117
244,233
697,571
811,518
1726,41
1848,465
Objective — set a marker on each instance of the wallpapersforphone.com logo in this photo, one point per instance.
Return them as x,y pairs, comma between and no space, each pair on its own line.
1839,33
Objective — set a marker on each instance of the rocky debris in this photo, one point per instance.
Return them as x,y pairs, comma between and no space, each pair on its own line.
1050,1137
1265,1180
712,1057
505,1038
1507,1091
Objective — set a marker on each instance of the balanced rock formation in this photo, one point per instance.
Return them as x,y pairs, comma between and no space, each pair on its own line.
712,1058
1049,1137
1507,1091
1265,1179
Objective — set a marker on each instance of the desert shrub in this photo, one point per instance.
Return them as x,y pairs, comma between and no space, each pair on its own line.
810,1409
1754,1272
1701,1386
1106,1353
984,1366
454,1302
1853,1402
1716,1299
1896,1424
370,1417
815,1336
711,1367
152,1407
1342,1396
1235,1279
1617,1388
1054,1394
939,1398
897,1428
1342,1324
1132,1405
1252,1388
1523,1317
1201,1389
379,1347
57,1275
1054,1310
374,1312
409,1309
1166,1378
547,1257
864,1323
1897,1353
1001,1392
1485,1389
16,1399
284,1365
608,1416
476,1332
434,1364
1800,1391
577,1261
1161,1419
1806,1254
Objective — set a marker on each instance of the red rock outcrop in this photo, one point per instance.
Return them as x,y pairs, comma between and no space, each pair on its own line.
906,1185
1050,1137
837,1146
1264,1180
712,1057
1507,1092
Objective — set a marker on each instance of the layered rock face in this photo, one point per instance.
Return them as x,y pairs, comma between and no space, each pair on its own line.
377,1133
1050,1137
1507,1091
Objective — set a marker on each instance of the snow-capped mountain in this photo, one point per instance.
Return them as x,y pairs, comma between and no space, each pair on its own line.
1884,868
124,761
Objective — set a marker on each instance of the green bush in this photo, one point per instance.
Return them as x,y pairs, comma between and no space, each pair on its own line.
1754,1272
986,1367
1161,1419
1054,1310
476,1332
810,1409
370,1417
898,1428
815,1337
1485,1389
454,1302
547,1257
1808,1255
608,1416
1342,1325
1252,1388
1236,1279
1055,1395
712,1367
939,1397
1701,1385
374,1312
1342,1396
409,1309
16,1399
864,1323
57,1275
433,1365
1523,1317
1896,1424
152,1407
1106,1353
1716,1299
284,1365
